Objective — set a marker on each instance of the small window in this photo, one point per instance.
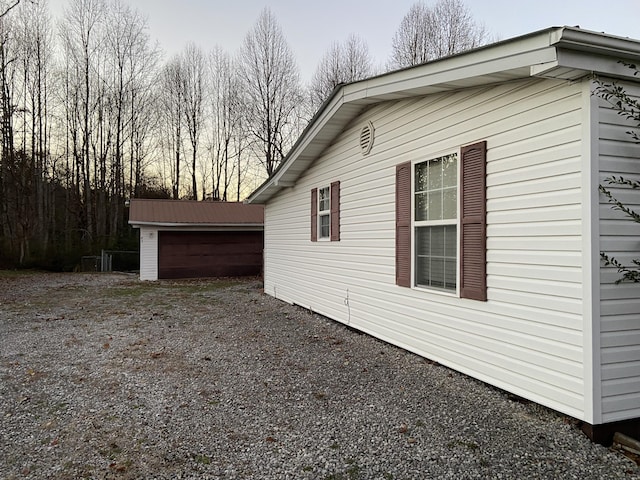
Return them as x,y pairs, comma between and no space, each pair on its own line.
435,217
324,212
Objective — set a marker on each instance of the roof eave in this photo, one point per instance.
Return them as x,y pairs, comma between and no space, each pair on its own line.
139,224
596,43
558,52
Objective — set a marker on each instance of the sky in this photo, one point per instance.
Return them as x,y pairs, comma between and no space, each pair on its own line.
311,27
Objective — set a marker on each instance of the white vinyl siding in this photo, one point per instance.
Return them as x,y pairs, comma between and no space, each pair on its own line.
528,337
620,238
148,253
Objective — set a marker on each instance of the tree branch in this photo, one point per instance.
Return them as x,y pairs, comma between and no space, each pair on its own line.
9,8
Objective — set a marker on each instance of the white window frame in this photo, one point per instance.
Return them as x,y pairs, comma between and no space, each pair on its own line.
326,213
428,223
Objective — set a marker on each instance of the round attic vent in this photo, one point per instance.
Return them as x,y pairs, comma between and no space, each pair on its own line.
366,138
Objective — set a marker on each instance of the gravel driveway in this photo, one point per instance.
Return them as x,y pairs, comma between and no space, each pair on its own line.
102,376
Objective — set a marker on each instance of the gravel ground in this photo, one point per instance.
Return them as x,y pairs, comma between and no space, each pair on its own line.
102,376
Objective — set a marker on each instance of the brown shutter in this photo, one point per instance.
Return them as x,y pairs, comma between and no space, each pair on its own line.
473,231
403,224
314,215
335,211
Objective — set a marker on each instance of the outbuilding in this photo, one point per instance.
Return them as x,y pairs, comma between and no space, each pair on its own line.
188,239
452,209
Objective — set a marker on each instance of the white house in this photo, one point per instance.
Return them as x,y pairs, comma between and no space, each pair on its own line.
452,209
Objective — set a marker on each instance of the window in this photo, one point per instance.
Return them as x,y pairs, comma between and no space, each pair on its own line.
427,231
324,212
435,217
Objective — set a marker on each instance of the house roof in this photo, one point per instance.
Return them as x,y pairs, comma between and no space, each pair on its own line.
566,53
187,213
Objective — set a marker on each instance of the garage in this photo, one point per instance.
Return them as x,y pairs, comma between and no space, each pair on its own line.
209,254
189,239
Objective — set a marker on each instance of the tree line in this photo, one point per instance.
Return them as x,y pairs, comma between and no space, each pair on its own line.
92,114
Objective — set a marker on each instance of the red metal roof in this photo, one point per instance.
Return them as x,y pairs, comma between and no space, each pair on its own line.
188,212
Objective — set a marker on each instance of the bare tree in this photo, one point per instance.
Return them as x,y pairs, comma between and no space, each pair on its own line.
143,121
6,7
25,59
428,33
227,134
411,40
171,95
7,113
15,170
81,32
358,63
35,52
343,63
193,92
127,46
272,86
86,115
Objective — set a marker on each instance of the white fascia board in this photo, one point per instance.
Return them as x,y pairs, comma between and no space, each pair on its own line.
573,65
596,64
478,65
596,43
581,53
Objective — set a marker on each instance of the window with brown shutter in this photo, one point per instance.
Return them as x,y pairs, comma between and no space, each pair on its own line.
335,211
473,225
325,213
403,224
432,243
314,215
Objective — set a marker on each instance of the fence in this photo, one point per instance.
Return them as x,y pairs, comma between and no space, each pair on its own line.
110,260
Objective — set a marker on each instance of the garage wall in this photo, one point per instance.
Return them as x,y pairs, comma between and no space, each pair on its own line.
193,254
148,253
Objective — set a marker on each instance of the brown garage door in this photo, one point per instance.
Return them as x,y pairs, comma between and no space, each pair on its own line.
209,254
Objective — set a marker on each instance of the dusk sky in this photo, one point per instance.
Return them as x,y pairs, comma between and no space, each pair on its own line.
312,26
